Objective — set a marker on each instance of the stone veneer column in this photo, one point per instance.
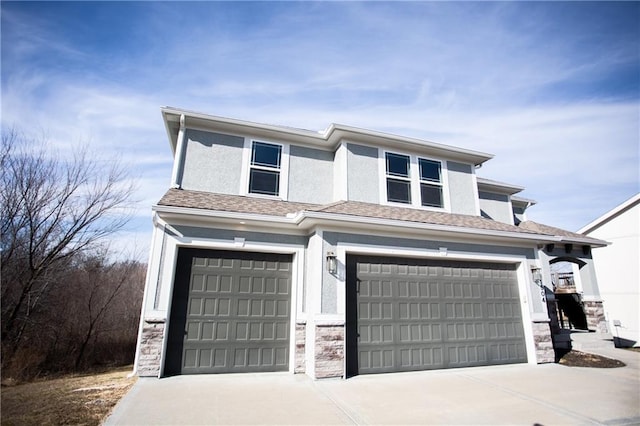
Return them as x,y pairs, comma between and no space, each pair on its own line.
594,311
329,348
543,342
151,348
301,331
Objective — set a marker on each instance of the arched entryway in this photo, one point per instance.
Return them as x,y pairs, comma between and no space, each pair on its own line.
567,288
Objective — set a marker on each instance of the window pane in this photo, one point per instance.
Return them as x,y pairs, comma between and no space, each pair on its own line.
397,165
266,154
431,195
398,191
429,170
264,182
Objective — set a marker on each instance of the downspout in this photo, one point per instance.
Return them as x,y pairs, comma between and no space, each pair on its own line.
176,176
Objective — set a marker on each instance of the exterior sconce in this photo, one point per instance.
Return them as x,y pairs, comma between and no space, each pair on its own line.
536,273
332,262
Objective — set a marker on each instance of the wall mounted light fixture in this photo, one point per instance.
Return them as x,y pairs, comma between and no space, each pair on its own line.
332,262
536,273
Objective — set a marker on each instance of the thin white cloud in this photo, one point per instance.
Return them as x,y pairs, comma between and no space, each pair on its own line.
520,80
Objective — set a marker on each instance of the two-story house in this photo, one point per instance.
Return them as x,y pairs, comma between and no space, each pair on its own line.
342,252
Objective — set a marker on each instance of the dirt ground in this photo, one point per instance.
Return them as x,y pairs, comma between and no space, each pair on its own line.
582,359
78,400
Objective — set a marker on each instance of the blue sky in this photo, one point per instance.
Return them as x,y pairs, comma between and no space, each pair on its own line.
551,88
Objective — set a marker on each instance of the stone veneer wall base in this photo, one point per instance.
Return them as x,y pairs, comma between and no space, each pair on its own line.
151,348
594,311
543,342
329,349
301,331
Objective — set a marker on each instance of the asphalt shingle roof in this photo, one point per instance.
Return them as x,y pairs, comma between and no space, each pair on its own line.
270,207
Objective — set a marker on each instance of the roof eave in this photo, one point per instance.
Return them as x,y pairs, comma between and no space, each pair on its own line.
498,187
611,214
328,139
304,221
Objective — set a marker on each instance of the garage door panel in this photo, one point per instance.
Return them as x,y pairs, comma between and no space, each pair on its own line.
236,316
423,314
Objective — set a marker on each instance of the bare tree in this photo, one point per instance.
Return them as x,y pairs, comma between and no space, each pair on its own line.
52,210
103,290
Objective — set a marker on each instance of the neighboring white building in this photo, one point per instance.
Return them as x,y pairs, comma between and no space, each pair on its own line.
618,268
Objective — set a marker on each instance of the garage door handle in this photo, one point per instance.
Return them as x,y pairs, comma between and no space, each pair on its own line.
357,286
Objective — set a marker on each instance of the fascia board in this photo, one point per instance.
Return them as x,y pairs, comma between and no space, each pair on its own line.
611,214
186,215
499,187
328,139
303,222
168,117
524,201
329,219
235,126
585,241
338,132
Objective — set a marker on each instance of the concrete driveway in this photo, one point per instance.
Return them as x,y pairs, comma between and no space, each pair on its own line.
524,394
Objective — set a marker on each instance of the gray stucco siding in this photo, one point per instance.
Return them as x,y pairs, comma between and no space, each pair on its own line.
495,206
310,175
213,162
362,174
461,191
518,215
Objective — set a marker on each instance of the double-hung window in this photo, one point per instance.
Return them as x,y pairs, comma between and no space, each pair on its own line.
398,178
413,180
265,168
430,183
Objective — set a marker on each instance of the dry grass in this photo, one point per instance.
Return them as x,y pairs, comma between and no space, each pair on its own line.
77,400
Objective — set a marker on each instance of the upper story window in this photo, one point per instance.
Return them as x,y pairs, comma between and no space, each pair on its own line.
430,183
413,180
265,169
264,173
398,178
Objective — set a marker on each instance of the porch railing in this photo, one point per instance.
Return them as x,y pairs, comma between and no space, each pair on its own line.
563,282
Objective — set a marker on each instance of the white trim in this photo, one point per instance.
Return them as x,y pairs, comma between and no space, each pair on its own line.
327,139
297,278
306,220
511,215
522,271
590,227
414,180
151,268
476,192
179,156
340,164
283,188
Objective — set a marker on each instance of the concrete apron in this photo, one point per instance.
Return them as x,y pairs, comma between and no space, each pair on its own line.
524,394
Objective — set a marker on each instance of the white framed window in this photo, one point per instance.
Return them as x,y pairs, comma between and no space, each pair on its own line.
414,180
265,169
398,173
431,183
